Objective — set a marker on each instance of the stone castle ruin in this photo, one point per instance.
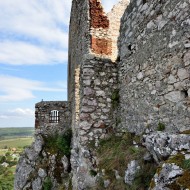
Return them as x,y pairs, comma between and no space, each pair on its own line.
128,71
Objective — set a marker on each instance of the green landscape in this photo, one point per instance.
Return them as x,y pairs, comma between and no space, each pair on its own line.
12,143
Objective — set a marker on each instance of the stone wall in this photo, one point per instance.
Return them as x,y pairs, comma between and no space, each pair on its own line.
79,42
104,29
154,67
92,81
45,159
43,116
98,81
114,17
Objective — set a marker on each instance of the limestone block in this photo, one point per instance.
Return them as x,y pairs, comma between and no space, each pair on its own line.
189,92
37,184
85,125
88,91
186,58
167,175
171,79
42,173
182,74
175,96
132,168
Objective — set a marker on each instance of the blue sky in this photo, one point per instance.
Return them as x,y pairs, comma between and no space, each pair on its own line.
33,56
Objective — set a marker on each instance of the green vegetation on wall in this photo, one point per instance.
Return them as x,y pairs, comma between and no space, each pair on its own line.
115,99
59,143
47,185
115,153
161,127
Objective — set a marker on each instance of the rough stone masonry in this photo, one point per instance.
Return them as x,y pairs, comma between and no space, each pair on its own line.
154,66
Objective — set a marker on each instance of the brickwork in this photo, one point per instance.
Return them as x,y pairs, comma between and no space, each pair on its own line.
101,46
105,29
97,15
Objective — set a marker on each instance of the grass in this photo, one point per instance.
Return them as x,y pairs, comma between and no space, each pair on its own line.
187,132
186,164
47,185
161,127
6,179
11,133
60,144
16,142
12,138
115,153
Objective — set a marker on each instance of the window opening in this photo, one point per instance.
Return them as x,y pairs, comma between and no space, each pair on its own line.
54,116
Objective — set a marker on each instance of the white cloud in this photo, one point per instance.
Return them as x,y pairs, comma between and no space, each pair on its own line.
35,32
18,89
21,53
44,20
22,112
17,113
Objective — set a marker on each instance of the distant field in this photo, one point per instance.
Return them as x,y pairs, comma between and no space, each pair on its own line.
16,143
11,133
12,138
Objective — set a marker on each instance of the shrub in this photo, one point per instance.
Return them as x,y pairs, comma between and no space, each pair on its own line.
115,99
2,159
47,185
161,127
186,164
93,173
59,143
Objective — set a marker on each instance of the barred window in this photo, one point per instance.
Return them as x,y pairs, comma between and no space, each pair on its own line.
54,116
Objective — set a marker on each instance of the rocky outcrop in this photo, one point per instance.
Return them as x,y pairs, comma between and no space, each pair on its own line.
46,163
161,144
172,154
132,169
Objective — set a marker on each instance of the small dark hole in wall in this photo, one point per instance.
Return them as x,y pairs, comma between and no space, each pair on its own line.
118,59
144,1
185,93
129,47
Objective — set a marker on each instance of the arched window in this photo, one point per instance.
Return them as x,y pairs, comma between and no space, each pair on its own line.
54,116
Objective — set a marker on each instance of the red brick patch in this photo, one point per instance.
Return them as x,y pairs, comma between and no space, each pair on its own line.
101,46
97,15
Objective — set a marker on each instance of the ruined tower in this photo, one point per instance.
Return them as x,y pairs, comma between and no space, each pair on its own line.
92,79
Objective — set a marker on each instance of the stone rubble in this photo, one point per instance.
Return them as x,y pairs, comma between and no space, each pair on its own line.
161,144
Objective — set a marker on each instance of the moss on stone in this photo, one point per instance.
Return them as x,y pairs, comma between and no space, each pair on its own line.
174,186
115,98
115,153
159,169
47,185
177,159
93,173
152,184
184,180
187,132
161,126
186,164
